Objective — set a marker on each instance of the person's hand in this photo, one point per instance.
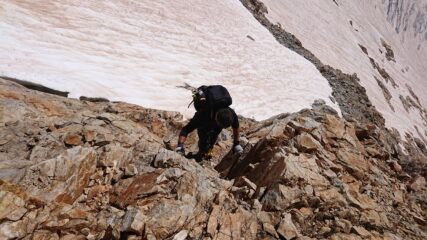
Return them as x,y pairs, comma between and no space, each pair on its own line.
237,148
180,149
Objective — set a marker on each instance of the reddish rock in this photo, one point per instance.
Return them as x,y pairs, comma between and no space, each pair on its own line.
417,184
395,166
335,127
361,231
97,190
354,162
73,139
307,143
89,135
128,192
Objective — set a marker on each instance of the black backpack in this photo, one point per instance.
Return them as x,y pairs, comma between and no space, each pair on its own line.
212,97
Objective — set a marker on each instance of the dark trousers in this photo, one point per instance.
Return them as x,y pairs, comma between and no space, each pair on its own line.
207,139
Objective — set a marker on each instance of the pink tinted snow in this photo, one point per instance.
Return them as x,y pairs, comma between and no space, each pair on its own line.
139,51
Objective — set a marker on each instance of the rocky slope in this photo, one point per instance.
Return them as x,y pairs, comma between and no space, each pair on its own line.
73,169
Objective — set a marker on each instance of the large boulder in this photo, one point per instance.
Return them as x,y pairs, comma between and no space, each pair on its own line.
61,179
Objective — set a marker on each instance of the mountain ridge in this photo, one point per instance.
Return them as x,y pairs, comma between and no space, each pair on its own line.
102,170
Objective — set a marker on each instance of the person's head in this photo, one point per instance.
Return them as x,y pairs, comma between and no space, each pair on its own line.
224,117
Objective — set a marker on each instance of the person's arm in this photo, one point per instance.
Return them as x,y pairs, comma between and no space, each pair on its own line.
181,139
185,131
236,134
235,125
180,147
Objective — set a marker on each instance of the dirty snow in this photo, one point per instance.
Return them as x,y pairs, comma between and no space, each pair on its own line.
139,51
324,28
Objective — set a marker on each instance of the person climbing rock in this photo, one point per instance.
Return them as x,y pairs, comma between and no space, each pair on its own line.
212,115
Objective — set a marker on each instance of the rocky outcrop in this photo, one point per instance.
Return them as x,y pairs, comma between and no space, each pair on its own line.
73,169
409,17
324,177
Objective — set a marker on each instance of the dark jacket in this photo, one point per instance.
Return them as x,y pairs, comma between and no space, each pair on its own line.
207,128
204,120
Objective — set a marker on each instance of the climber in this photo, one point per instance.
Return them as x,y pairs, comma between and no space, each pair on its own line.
212,115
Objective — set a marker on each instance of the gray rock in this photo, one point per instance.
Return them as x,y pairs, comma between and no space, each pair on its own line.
134,221
182,235
287,228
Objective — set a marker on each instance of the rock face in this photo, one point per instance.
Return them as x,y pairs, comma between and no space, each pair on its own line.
408,17
322,176
73,169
